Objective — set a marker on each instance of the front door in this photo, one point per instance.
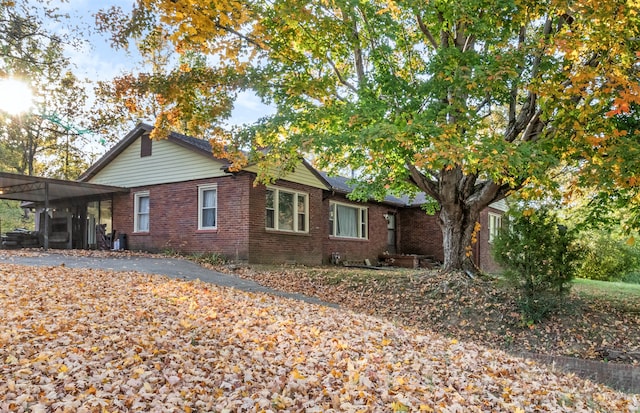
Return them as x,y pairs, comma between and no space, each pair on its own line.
391,233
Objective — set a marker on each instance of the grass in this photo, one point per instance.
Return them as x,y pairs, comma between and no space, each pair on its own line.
618,291
12,216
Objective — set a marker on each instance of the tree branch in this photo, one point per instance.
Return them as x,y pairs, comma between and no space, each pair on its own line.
514,88
486,193
527,113
449,188
425,30
534,127
444,35
423,183
342,80
240,35
468,43
518,123
370,31
467,184
357,49
481,105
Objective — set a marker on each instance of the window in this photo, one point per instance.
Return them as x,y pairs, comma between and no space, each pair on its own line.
207,207
347,221
141,216
286,210
495,223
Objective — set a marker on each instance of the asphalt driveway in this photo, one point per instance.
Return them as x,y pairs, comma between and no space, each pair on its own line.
171,267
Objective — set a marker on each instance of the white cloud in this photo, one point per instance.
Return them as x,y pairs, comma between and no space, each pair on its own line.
248,109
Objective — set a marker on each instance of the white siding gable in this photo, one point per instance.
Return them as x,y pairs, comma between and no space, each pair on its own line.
301,175
500,205
169,162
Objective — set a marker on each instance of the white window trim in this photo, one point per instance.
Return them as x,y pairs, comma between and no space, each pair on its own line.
495,223
201,189
276,190
136,204
361,209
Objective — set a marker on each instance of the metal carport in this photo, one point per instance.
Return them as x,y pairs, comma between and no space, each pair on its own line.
44,191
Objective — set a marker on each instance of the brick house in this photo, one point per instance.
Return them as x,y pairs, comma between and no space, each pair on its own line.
182,198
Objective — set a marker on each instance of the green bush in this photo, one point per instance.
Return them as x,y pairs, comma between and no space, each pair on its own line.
632,277
606,258
538,260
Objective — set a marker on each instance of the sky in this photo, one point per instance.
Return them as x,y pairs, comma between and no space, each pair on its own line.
98,61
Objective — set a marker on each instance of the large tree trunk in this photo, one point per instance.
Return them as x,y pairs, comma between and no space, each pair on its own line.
461,198
457,223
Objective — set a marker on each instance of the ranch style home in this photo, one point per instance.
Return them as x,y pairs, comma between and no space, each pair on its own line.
173,194
184,199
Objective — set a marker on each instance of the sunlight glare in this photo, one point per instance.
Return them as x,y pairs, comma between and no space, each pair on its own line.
15,96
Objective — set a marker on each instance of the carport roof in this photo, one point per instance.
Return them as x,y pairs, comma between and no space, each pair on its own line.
35,188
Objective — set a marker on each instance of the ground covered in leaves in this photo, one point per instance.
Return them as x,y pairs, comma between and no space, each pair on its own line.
481,310
91,340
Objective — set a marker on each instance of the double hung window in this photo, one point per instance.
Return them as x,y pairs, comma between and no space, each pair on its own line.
207,207
141,215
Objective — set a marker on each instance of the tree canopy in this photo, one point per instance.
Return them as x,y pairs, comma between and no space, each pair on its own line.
466,101
46,140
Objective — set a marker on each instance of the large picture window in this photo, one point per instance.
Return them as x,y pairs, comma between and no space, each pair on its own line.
347,221
286,210
207,207
141,215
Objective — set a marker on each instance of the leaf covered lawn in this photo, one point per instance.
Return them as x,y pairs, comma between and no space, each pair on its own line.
96,341
591,326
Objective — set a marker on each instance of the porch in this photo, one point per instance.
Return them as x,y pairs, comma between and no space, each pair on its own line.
69,214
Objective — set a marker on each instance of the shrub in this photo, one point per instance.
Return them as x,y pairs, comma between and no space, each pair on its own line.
211,258
632,277
538,260
170,252
606,258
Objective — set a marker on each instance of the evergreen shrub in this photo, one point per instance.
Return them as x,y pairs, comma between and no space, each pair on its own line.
538,259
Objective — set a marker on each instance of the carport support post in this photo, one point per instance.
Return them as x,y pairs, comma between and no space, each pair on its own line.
46,216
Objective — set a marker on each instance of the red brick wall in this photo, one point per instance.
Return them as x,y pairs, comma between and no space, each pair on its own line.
419,233
242,236
357,249
173,218
122,214
241,233
482,250
279,247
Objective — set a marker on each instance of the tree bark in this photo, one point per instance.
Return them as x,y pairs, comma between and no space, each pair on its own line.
457,222
461,198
